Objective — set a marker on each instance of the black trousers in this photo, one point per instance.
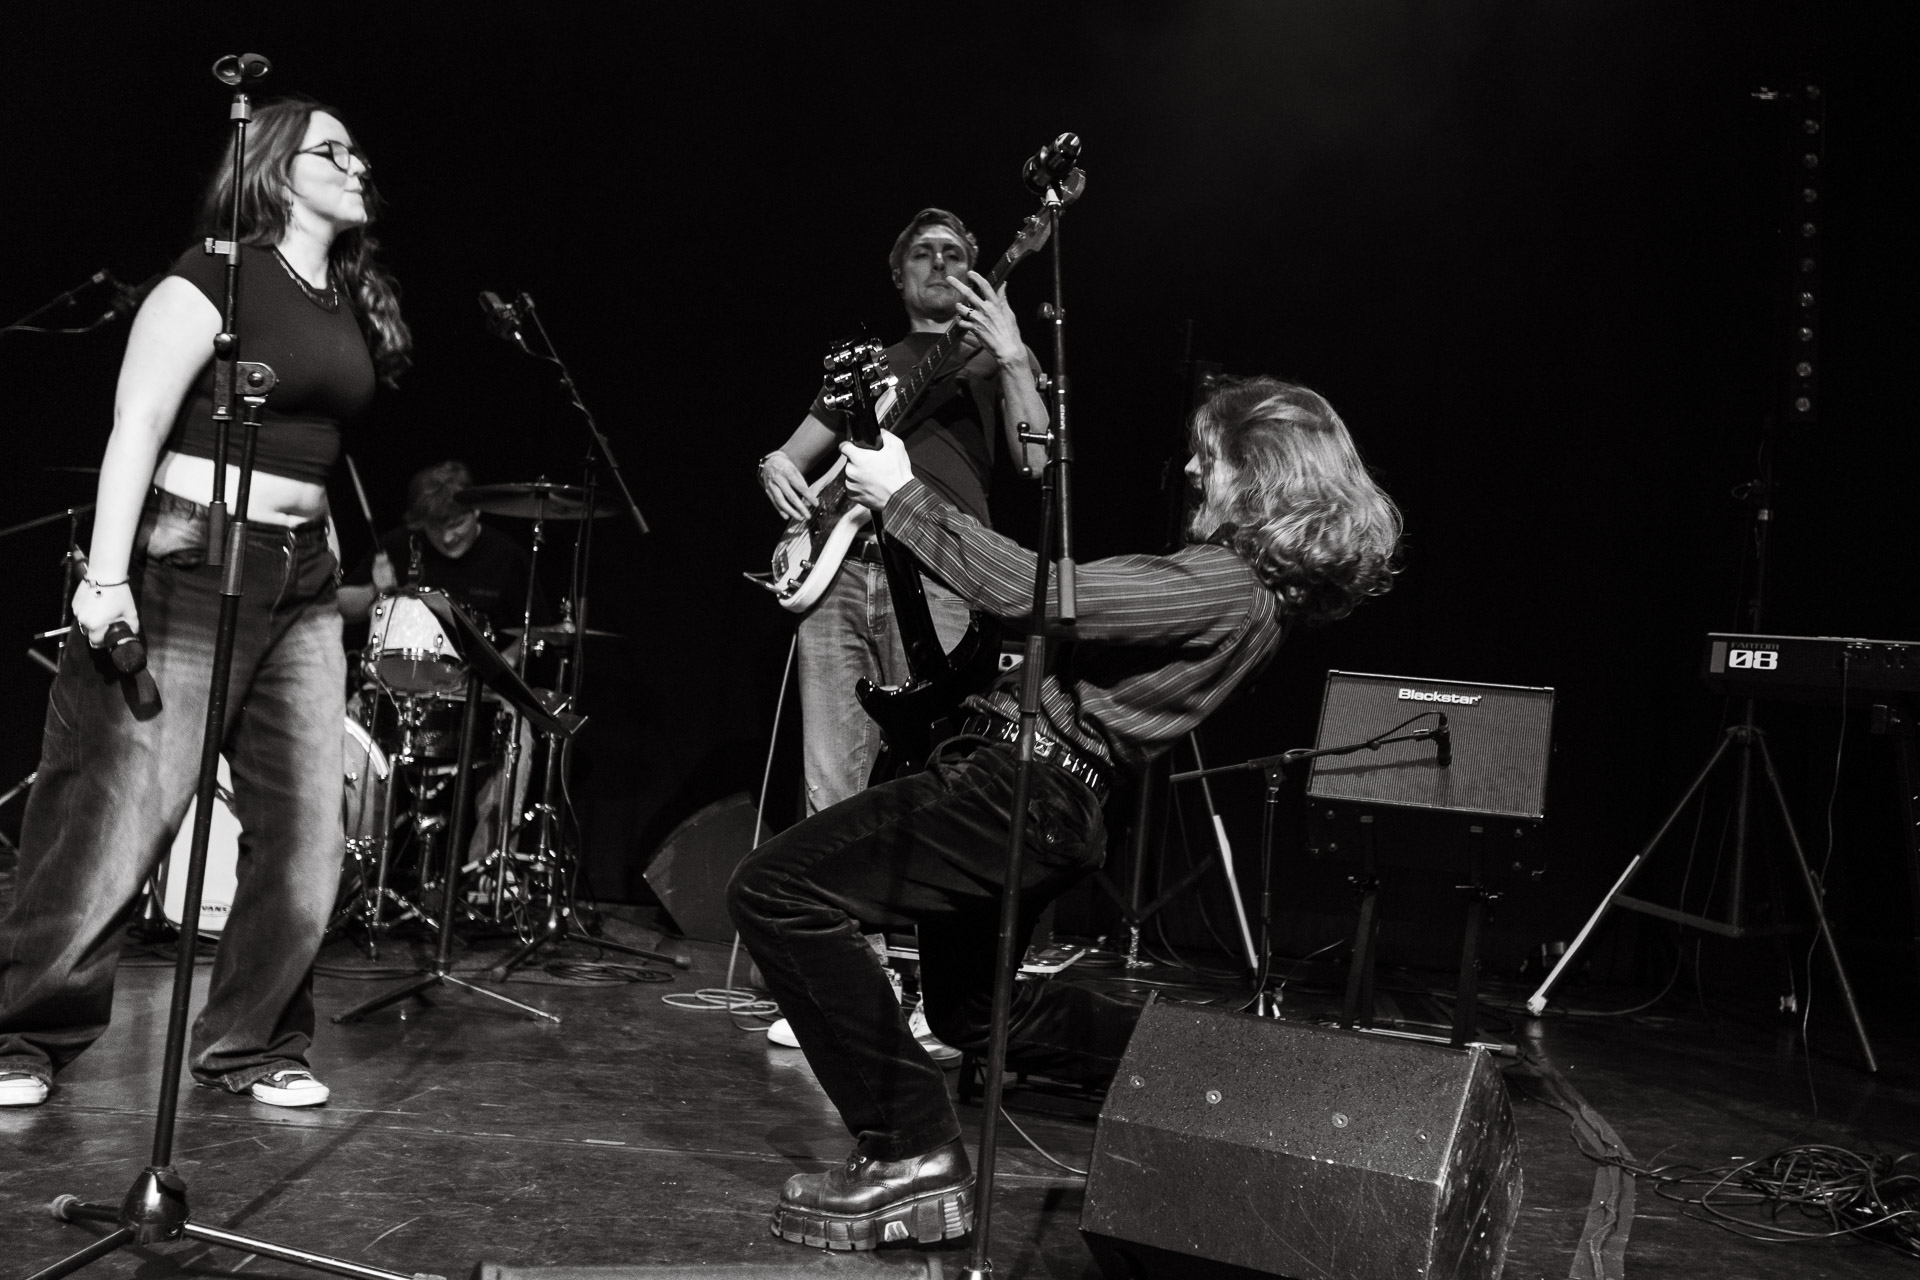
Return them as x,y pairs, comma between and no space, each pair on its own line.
926,851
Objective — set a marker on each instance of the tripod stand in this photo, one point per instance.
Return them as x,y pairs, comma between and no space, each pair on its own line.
1133,912
1746,740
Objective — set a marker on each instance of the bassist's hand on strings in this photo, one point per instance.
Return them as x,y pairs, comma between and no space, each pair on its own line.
873,475
785,486
984,315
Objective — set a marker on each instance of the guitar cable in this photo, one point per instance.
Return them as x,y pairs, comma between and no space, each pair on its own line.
734,1000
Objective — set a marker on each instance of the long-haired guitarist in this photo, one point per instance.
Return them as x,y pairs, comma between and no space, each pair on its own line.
1290,527
985,390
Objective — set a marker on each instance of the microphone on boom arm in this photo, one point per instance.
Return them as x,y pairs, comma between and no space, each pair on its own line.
503,318
237,69
1050,165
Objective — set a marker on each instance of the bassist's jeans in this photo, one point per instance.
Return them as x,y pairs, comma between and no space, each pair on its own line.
849,633
928,851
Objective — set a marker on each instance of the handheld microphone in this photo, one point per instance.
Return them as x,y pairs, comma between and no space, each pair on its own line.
1050,165
128,653
503,319
1443,742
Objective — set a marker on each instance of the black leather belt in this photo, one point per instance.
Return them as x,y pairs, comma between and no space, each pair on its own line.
866,549
1056,753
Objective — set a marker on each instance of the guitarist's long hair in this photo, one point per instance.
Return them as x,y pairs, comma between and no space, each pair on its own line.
1293,497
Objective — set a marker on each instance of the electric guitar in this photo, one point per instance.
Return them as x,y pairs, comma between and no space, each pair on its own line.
857,378
810,551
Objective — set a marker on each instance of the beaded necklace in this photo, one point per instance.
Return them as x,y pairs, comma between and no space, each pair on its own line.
330,300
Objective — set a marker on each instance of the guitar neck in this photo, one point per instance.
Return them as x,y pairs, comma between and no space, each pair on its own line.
915,383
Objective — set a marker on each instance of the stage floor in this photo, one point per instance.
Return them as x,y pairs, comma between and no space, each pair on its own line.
462,1131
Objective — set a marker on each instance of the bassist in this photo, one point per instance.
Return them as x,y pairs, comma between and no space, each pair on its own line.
986,389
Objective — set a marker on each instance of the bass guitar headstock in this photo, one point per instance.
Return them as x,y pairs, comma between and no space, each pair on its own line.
1038,228
857,376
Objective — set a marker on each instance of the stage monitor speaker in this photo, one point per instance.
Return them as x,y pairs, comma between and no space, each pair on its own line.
1502,735
690,872
1232,1145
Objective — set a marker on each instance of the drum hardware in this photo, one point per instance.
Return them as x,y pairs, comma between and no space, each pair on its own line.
540,499
561,633
484,666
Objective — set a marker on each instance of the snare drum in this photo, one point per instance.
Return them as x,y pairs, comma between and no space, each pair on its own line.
408,652
367,773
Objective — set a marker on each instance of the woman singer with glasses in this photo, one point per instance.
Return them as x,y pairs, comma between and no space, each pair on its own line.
116,773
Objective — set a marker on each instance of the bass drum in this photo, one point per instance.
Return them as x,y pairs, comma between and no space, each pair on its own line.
367,774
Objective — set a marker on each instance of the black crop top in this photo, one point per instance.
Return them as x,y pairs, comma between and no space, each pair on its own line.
325,374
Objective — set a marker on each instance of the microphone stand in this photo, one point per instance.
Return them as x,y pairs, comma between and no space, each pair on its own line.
1056,538
155,1207
1275,769
561,922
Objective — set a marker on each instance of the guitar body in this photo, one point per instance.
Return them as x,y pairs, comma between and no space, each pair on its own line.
909,714
810,551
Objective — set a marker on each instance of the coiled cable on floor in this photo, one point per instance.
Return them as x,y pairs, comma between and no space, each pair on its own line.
730,999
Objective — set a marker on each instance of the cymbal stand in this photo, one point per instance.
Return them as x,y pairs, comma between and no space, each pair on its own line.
155,1206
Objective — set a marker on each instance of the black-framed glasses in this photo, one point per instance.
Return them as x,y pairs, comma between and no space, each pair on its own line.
339,153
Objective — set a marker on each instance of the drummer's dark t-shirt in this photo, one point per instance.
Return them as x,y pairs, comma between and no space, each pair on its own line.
491,578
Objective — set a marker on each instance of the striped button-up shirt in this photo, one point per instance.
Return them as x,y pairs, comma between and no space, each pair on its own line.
1159,644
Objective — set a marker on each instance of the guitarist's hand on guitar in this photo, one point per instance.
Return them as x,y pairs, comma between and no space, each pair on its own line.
874,474
784,486
985,316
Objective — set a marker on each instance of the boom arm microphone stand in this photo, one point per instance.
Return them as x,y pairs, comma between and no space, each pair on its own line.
561,923
155,1207
1047,172
1275,770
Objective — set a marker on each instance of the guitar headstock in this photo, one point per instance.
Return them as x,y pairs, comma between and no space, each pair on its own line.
1038,228
857,374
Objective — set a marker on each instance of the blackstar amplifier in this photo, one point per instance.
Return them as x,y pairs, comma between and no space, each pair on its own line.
1501,737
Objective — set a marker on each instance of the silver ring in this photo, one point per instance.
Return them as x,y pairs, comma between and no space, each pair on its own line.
967,310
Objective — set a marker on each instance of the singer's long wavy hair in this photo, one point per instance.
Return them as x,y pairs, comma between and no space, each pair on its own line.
273,140
1293,497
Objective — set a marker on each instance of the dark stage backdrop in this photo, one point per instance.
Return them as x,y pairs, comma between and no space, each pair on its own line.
1529,251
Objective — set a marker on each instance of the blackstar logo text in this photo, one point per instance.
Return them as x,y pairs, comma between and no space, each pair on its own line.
1421,695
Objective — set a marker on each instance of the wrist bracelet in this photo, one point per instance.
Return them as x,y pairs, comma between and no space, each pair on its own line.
102,586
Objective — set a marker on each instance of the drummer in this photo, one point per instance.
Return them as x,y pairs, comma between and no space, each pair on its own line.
445,546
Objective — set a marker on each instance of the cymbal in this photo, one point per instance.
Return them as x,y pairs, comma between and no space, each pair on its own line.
72,470
564,633
539,499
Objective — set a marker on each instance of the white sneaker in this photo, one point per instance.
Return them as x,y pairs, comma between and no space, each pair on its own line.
937,1049
781,1033
18,1089
290,1087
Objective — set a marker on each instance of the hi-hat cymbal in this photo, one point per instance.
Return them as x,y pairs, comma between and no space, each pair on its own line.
536,500
564,633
